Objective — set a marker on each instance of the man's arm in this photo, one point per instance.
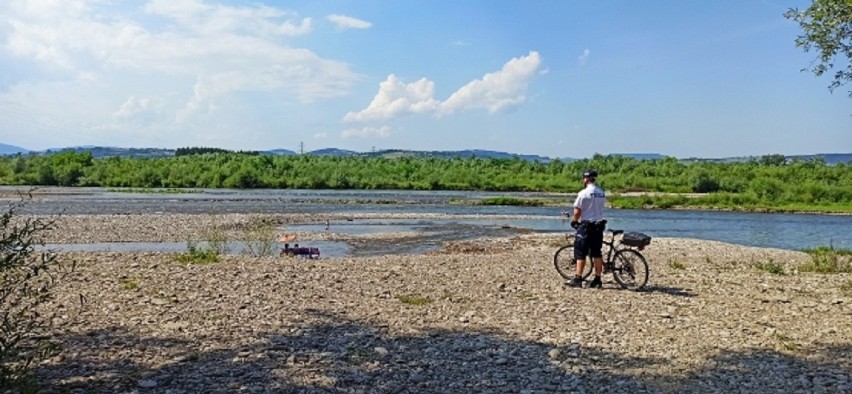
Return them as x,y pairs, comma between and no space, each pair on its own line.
575,218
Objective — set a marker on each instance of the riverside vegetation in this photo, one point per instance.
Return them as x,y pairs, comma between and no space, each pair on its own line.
768,183
27,279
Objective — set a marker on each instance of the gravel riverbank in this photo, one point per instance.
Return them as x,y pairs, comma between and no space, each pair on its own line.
483,316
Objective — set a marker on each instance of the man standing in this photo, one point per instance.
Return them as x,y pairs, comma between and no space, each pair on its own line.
588,220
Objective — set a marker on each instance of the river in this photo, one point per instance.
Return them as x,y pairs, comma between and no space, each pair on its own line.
777,230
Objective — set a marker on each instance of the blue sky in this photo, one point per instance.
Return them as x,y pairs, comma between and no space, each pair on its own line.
555,78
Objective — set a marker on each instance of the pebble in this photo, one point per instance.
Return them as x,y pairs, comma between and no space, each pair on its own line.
147,384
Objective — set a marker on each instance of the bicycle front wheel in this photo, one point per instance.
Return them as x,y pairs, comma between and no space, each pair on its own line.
630,269
566,265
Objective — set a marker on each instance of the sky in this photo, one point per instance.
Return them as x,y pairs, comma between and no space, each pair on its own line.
685,78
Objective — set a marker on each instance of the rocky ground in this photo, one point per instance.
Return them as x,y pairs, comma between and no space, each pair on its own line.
485,316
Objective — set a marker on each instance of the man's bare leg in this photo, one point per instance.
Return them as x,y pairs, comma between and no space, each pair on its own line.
596,282
598,266
578,277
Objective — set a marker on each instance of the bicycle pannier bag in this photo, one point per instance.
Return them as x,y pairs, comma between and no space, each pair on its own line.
636,239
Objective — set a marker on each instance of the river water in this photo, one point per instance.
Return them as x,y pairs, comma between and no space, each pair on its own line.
786,231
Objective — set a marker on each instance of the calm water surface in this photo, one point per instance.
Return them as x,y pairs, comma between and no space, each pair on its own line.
788,231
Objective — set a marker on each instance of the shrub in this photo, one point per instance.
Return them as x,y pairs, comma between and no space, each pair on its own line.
261,238
129,283
678,265
27,277
770,267
412,299
217,240
196,255
827,260
846,288
706,184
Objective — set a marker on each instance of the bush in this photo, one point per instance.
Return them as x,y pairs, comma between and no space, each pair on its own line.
827,260
706,184
846,288
413,299
678,265
770,267
261,238
196,255
27,277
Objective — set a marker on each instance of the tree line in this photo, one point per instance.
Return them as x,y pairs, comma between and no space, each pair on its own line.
768,181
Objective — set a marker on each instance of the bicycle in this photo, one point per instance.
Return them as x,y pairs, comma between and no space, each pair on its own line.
628,267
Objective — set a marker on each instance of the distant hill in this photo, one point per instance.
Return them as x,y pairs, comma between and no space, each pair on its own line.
829,158
279,152
108,151
11,149
333,152
637,156
640,156
105,151
391,153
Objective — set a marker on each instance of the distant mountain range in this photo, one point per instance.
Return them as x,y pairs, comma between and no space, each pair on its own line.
830,158
103,151
11,149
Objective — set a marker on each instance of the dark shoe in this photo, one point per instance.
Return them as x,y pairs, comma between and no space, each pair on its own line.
575,282
596,283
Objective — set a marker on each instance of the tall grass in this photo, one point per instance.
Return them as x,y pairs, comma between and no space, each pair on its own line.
413,299
770,267
217,239
197,255
261,237
827,260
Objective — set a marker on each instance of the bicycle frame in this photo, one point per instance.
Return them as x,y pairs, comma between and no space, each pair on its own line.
623,261
611,244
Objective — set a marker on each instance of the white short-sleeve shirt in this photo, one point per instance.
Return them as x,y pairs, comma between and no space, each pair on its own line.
591,201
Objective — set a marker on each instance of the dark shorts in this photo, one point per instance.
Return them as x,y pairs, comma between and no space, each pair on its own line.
588,243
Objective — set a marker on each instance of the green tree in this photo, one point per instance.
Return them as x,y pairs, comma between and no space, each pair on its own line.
706,184
27,276
773,160
827,27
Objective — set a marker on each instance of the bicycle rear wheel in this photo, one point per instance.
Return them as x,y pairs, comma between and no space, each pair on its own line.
630,269
566,265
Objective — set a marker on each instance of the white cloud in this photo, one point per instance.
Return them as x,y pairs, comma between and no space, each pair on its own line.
132,107
208,40
348,22
584,57
396,98
216,18
495,92
160,63
367,132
